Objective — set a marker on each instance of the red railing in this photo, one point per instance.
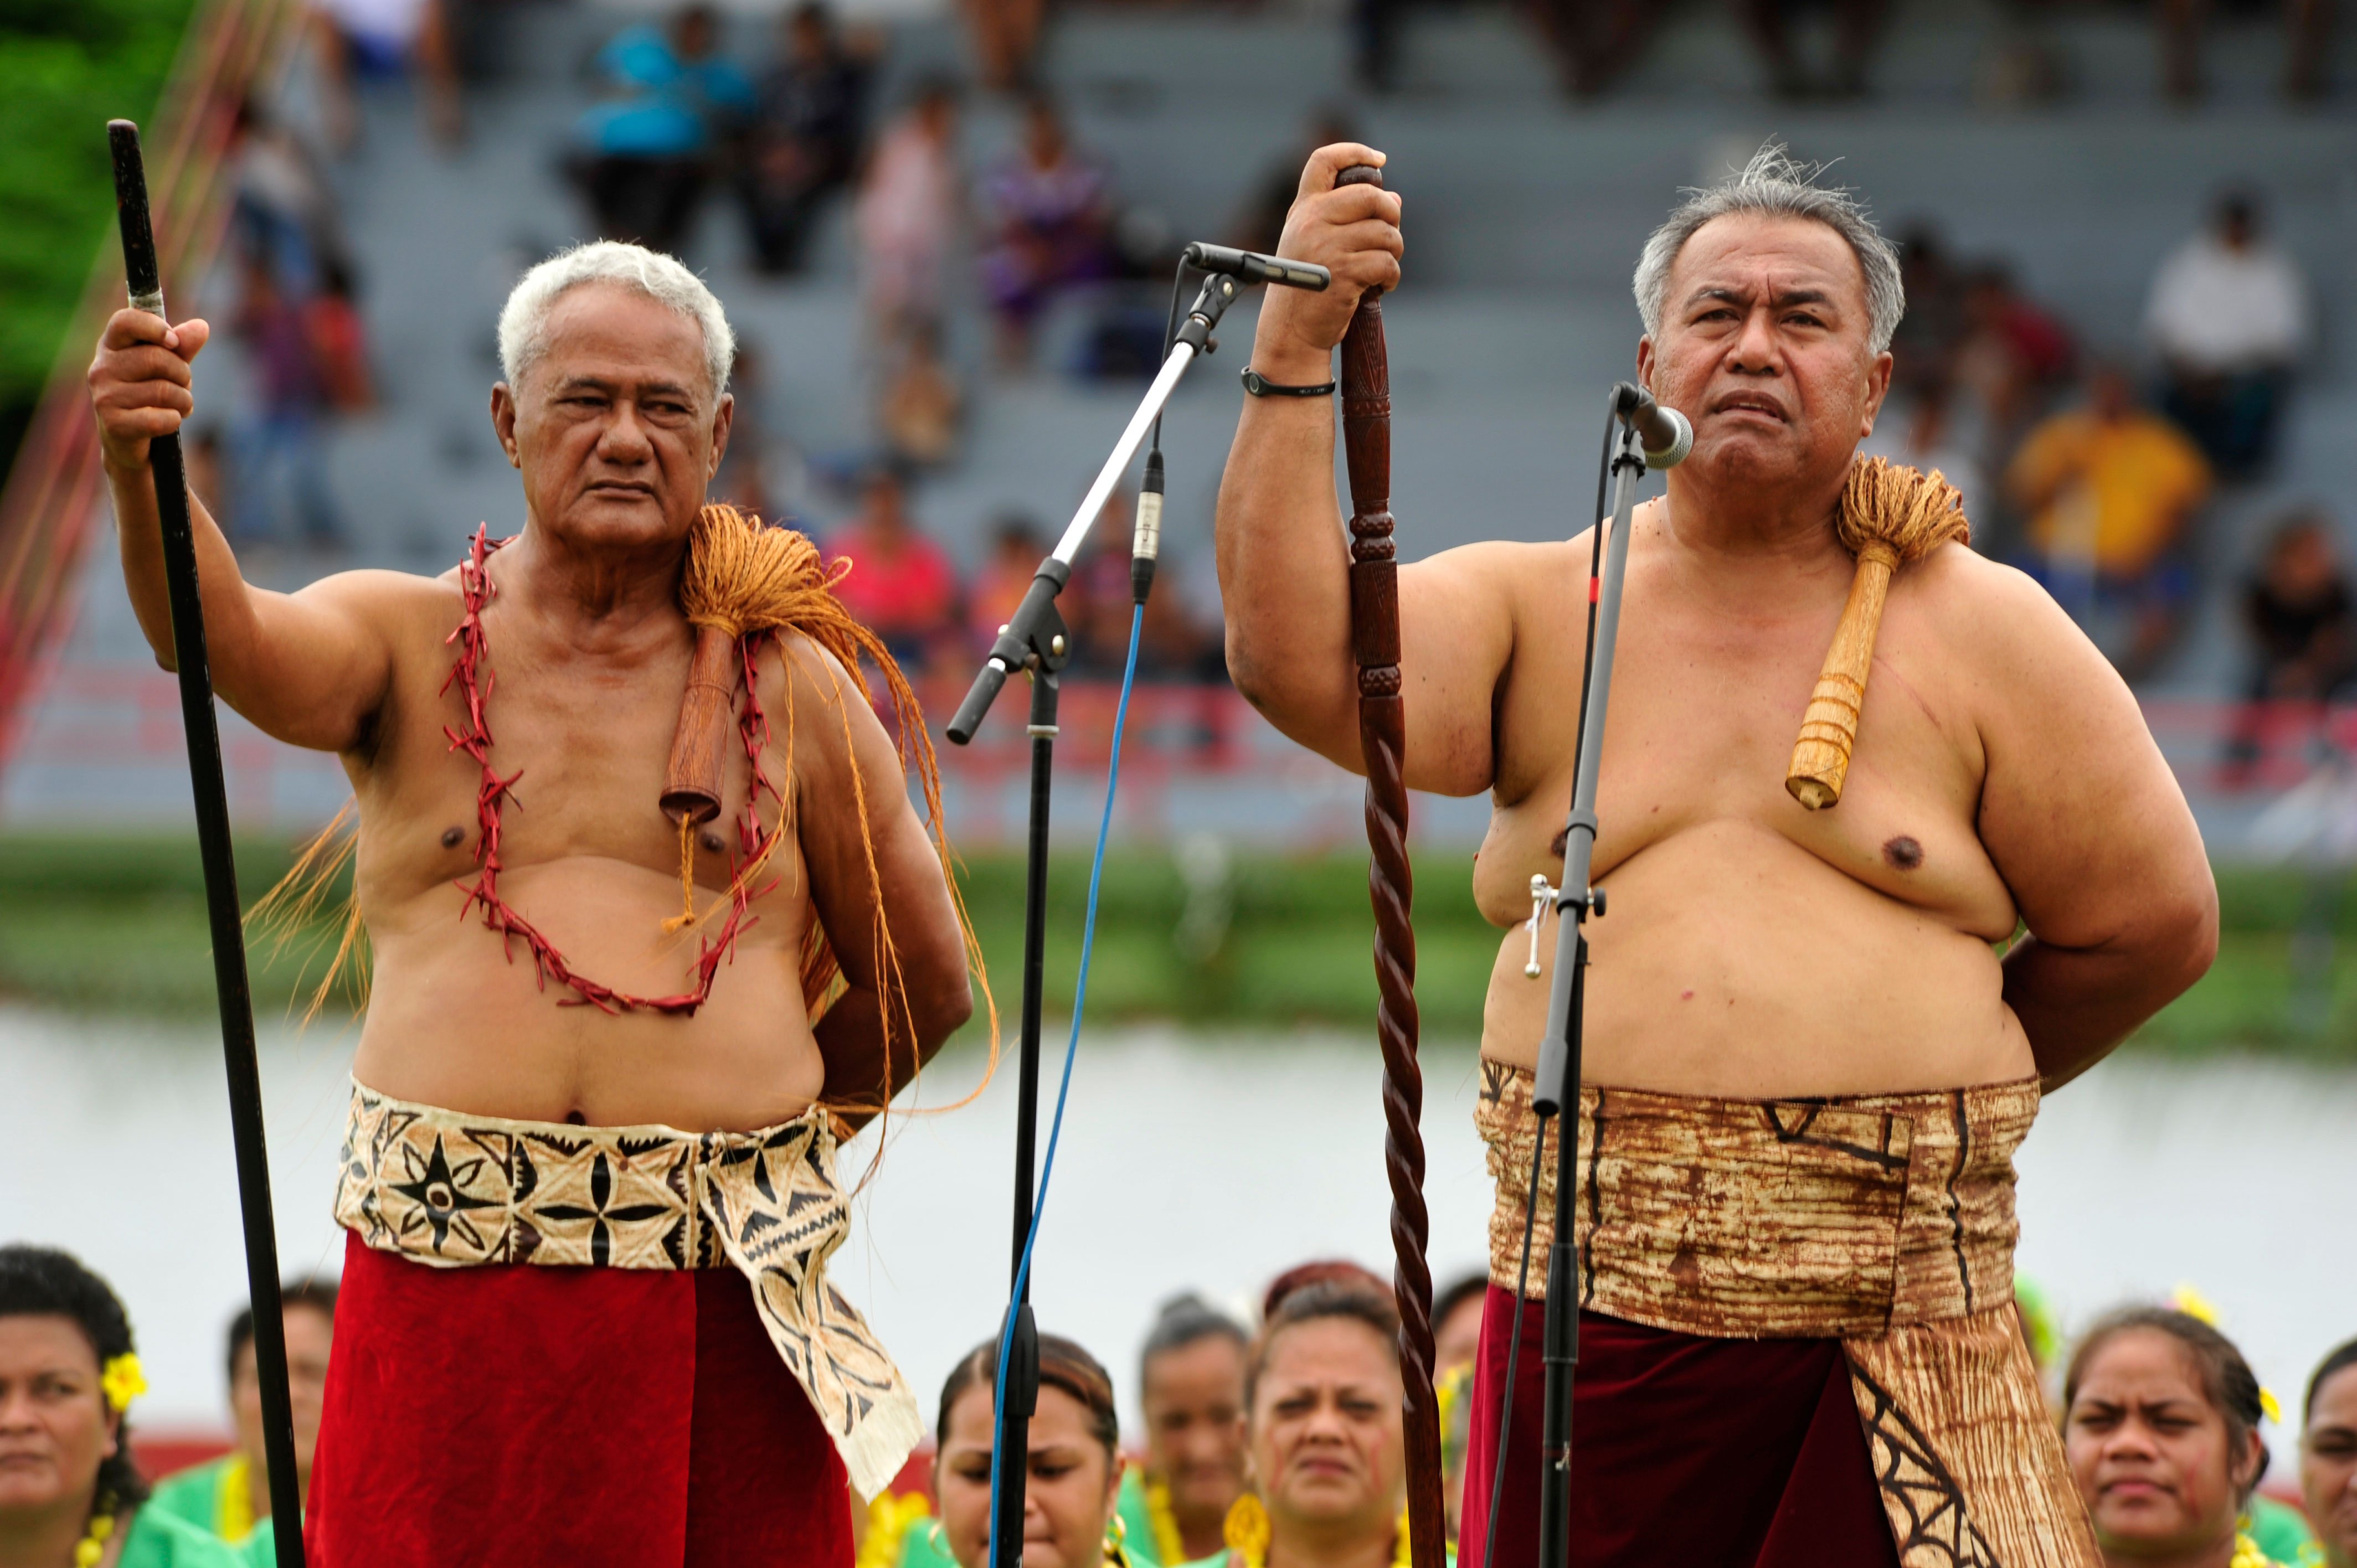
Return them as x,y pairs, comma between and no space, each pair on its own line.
53,490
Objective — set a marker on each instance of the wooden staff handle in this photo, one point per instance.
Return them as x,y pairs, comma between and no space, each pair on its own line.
691,784
1383,737
1829,729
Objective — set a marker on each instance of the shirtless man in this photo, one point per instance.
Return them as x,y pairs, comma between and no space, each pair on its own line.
495,1412
1752,1267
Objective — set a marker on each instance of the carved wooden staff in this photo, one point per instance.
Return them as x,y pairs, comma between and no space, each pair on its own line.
1382,735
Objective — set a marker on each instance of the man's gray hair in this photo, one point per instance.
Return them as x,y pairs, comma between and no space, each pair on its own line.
523,321
1775,184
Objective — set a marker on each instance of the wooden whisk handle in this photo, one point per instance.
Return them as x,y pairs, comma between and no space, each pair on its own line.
1829,729
699,748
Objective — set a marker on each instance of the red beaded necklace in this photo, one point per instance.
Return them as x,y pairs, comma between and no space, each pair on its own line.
475,679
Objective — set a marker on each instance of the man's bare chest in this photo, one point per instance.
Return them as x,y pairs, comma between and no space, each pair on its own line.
1700,725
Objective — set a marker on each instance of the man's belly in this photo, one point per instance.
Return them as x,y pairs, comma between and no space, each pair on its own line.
459,1021
1738,965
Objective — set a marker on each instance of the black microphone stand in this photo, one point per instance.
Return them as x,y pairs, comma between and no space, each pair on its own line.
1036,641
1555,1088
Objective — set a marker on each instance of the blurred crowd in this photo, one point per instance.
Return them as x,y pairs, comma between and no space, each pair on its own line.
1280,1437
2105,470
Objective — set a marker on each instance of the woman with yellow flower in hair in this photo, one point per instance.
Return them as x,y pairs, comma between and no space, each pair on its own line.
2161,1429
70,1495
1322,1398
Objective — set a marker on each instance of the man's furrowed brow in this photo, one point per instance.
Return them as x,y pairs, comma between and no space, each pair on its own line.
661,386
1733,293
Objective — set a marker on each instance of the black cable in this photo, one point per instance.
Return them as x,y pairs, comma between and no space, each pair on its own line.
1538,1151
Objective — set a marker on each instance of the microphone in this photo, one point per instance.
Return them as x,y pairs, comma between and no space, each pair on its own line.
1254,267
1667,437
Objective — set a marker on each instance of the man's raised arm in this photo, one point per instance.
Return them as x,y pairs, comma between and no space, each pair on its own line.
307,667
1284,566
2086,824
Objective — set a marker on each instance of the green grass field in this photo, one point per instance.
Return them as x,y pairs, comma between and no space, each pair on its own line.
118,925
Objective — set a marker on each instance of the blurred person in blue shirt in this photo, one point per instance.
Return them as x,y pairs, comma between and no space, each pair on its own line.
643,154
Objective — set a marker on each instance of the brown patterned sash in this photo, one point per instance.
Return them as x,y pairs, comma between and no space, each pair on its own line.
1885,1220
455,1191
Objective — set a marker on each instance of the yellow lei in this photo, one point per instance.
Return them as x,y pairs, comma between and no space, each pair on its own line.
1169,1546
889,1518
1247,1532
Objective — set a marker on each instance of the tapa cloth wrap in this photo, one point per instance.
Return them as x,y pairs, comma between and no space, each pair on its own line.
1883,1221
454,1191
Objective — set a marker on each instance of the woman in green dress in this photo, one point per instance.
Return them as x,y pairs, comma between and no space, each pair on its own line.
2161,1427
1073,1471
70,1495
1190,1387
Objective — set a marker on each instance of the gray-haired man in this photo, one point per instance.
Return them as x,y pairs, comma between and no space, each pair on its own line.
1808,1064
694,1391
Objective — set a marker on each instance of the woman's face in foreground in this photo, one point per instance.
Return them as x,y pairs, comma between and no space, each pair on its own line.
2328,1468
1067,1503
1326,1430
2151,1455
55,1428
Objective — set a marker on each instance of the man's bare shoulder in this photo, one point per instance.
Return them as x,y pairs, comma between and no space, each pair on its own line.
2020,664
385,597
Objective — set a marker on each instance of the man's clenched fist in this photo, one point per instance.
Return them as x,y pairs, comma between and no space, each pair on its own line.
139,383
1354,233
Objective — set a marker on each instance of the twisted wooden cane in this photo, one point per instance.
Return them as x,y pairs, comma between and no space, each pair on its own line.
1383,725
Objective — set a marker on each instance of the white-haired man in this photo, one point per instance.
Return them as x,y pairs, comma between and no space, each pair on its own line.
693,1390
1808,1065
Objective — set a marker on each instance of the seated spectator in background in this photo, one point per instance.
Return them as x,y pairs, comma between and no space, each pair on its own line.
281,467
1191,1388
1322,1392
1923,350
2109,490
2309,33
1857,23
385,38
284,210
808,116
2014,353
2298,609
70,1496
231,1495
2328,1456
1593,41
920,410
1097,602
1005,39
1074,1464
1016,549
907,217
2161,1429
331,318
1921,432
642,156
1259,223
1050,216
900,583
2229,315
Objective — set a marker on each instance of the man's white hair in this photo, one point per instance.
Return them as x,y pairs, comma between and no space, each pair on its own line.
523,320
1775,184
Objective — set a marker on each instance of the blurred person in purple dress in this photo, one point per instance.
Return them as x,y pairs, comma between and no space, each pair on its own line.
1051,217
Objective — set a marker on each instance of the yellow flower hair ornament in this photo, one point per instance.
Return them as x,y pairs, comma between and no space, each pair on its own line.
2270,1406
123,1380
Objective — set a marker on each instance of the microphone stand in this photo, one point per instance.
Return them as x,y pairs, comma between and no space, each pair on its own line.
1036,641
1555,1088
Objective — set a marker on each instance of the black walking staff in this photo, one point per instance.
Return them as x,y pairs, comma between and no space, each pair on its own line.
221,880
